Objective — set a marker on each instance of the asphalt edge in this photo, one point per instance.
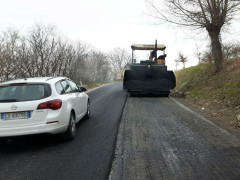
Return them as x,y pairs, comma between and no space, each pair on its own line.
116,171
201,117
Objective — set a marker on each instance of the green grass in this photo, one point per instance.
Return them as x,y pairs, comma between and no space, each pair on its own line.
94,84
202,81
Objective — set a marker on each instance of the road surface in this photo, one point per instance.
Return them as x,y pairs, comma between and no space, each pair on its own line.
157,139
88,156
161,139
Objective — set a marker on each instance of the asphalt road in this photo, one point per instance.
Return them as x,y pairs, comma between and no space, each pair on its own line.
88,156
161,139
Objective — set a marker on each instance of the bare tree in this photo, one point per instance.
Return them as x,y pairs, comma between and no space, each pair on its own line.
198,54
59,59
211,15
176,63
227,50
42,52
9,55
75,63
231,50
24,56
118,58
42,41
236,50
181,58
99,68
207,57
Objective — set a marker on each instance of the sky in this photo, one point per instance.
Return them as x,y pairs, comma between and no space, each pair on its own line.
107,24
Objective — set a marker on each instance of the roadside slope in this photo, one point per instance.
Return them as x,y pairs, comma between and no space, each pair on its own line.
218,94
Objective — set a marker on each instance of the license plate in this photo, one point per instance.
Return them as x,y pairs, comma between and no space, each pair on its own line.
15,115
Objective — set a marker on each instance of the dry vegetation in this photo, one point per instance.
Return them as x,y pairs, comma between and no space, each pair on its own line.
216,93
209,15
44,52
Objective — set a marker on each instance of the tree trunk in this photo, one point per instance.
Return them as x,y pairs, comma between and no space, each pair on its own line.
216,49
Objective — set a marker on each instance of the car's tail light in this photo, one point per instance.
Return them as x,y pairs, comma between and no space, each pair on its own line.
52,122
165,55
54,105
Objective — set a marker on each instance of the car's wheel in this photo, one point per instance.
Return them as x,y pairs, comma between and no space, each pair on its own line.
88,111
71,131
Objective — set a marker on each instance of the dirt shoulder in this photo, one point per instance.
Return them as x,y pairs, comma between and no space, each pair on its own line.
213,94
219,113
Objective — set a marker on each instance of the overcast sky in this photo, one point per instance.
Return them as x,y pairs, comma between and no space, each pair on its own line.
106,24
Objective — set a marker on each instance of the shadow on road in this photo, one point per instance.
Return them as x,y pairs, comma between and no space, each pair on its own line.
148,95
33,142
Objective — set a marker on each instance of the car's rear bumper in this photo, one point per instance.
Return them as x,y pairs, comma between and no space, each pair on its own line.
54,128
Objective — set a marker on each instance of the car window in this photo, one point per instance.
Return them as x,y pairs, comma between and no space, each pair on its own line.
66,87
73,85
59,88
24,92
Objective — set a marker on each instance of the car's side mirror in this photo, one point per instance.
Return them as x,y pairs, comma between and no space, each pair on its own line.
82,89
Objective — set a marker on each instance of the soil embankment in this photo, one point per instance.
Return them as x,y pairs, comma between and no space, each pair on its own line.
216,95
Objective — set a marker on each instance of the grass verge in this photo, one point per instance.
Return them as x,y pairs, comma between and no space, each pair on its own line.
218,94
94,85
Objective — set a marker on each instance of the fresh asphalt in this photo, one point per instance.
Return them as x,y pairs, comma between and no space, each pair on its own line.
88,156
159,138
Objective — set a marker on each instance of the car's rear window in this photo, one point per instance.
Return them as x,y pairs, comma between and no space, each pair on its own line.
24,92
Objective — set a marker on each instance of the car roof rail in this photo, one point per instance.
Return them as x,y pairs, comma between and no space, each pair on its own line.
53,78
50,78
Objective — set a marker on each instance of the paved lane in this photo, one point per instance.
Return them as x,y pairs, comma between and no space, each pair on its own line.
158,139
89,156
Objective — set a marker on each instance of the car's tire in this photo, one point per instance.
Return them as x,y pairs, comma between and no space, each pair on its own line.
71,131
87,115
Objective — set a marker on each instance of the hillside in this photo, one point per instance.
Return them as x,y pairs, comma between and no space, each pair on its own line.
218,94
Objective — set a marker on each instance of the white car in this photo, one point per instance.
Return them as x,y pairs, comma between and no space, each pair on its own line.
42,105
